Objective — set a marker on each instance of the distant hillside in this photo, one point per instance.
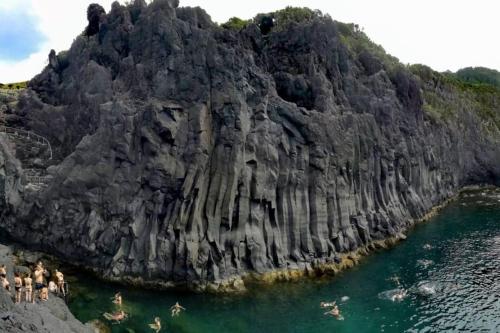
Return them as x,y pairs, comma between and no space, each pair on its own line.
16,85
479,75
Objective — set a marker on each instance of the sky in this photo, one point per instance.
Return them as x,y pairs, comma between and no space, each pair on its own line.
444,34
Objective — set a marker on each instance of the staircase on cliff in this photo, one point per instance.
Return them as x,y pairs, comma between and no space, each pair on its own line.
33,150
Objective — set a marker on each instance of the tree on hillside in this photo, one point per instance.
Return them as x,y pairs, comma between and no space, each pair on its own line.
235,23
479,75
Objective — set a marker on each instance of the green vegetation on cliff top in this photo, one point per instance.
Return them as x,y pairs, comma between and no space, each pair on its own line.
479,75
14,86
444,94
447,93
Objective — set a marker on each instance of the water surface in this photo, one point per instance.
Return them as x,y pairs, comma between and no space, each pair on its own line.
449,265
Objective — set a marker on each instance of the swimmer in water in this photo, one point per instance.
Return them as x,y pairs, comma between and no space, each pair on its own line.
118,316
117,299
327,304
156,326
399,296
334,312
176,309
395,279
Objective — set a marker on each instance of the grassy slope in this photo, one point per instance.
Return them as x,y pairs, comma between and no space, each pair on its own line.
14,86
445,94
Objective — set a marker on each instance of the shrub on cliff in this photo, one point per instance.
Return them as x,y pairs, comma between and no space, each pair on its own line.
281,19
359,44
284,17
479,75
235,23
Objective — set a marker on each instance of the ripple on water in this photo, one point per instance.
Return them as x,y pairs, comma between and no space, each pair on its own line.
424,263
395,295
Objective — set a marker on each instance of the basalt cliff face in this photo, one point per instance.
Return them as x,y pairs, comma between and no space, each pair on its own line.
188,153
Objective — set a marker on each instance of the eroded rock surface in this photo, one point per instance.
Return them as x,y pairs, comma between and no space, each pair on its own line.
189,153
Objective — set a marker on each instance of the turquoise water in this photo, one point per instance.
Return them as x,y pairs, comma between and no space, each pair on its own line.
453,286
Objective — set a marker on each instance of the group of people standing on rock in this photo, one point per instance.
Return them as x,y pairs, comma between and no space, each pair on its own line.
23,283
120,315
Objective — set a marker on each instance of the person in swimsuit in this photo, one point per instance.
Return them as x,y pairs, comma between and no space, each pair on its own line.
60,282
5,283
18,285
399,295
156,326
3,271
52,287
118,299
39,272
44,294
28,288
327,304
176,309
334,312
117,316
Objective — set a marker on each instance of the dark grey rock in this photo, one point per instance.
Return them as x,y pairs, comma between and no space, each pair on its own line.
189,153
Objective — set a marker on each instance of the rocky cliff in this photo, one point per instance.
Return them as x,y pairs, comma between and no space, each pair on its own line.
189,153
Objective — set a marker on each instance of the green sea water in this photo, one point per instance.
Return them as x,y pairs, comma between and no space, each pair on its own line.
450,267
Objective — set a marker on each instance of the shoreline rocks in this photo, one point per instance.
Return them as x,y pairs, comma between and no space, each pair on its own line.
42,317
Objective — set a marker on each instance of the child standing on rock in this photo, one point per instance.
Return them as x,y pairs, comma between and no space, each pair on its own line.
3,271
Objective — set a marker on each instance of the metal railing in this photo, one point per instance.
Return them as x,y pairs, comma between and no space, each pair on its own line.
36,176
20,133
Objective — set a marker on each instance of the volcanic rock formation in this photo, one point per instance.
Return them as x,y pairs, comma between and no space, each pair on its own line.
189,153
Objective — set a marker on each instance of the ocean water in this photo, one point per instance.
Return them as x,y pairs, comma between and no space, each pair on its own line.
449,267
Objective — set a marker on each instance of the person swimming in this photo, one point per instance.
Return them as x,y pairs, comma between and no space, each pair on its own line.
18,285
118,316
28,288
327,304
334,312
395,279
156,326
399,295
117,299
176,309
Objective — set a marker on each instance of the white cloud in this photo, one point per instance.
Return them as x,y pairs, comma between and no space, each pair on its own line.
60,21
445,34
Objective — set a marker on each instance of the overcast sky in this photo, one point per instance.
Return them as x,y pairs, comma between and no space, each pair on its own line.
444,34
